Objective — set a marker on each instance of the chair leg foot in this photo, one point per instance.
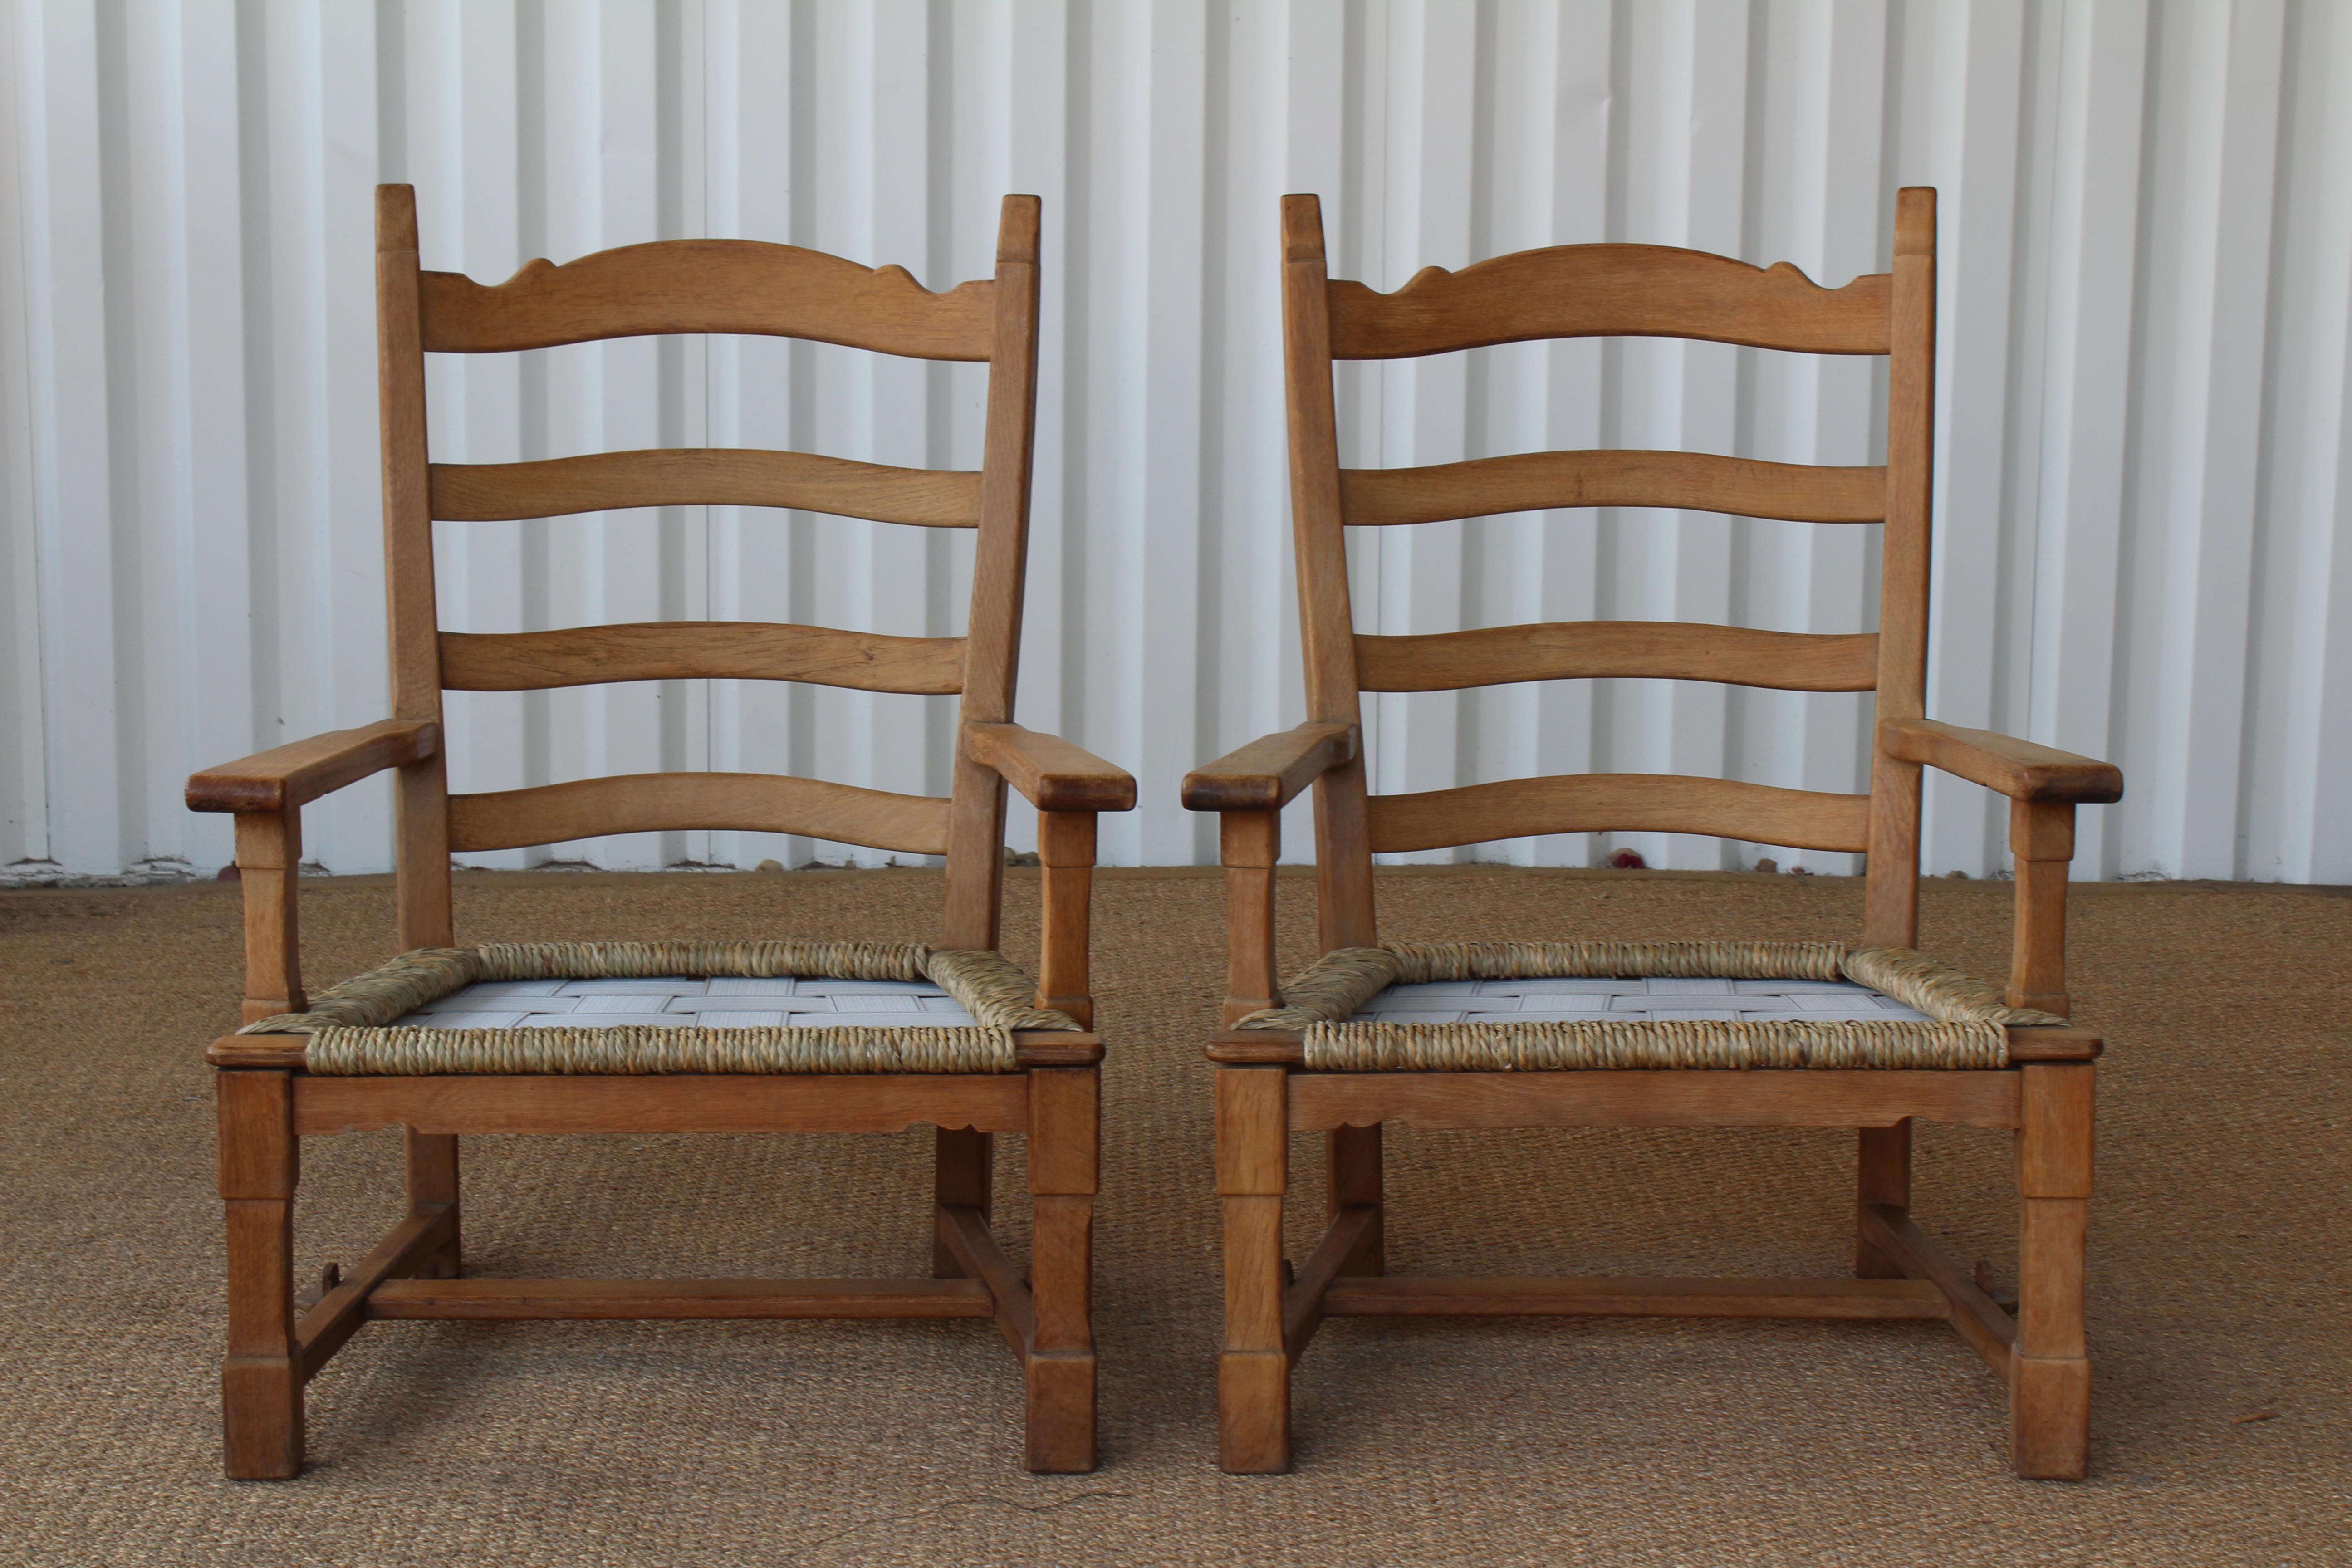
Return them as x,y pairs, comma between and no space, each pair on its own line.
261,1418
2049,1417
1254,1413
1061,1414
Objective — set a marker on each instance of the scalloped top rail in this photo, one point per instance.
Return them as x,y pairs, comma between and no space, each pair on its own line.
709,286
1610,291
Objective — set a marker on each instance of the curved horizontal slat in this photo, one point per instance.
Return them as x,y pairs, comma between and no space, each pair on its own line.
1619,803
707,286
1654,650
701,650
604,481
1610,291
1536,481
658,803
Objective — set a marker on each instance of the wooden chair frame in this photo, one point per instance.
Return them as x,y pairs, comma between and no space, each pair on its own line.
268,1103
1263,1090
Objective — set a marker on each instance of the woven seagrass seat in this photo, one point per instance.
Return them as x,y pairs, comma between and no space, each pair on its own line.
792,1035
665,1008
1691,1029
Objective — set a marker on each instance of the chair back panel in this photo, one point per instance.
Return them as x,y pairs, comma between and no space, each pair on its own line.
662,802
707,286
1647,651
608,481
1608,290
701,651
1538,481
1613,290
1628,802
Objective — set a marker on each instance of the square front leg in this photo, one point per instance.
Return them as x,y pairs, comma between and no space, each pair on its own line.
261,1377
2049,1368
1253,1371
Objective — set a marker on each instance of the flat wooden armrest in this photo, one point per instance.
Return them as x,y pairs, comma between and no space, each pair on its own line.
1264,775
2018,769
286,776
1050,773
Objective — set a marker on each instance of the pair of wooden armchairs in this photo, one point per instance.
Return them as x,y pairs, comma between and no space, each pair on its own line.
800,1035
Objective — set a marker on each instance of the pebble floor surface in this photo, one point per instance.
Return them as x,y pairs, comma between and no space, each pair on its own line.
2220,1301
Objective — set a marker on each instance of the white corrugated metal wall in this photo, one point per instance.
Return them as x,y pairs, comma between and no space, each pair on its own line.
2146,313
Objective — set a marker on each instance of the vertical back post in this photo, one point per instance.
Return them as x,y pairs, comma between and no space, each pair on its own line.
1890,914
975,874
421,789
1343,856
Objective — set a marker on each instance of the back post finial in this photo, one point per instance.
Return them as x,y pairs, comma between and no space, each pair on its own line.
1302,228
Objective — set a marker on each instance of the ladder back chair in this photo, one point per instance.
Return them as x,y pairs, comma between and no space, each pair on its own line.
677,1037
1872,1036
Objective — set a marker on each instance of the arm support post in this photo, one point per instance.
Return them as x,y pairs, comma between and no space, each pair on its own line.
1065,849
1069,785
267,792
1248,788
2041,838
1251,842
268,866
2044,786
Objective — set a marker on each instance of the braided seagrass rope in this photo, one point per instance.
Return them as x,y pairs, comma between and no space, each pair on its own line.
1965,1027
1659,1043
639,1049
349,1034
1937,989
1420,962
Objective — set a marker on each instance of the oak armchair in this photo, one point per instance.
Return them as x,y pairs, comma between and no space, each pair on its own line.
1705,1032
791,1035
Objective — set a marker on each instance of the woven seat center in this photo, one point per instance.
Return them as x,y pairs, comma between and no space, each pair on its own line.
690,1002
1575,1000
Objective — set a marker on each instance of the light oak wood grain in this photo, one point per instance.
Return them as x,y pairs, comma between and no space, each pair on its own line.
1354,1235
1596,290
1853,1299
964,1233
975,869
1251,847
269,1102
1267,773
707,286
1625,803
804,482
2018,769
1050,773
1889,1230
413,1249
510,1300
701,650
1891,890
1541,482
1651,650
1343,863
681,1102
261,1375
1590,291
743,803
286,776
268,866
1318,1102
